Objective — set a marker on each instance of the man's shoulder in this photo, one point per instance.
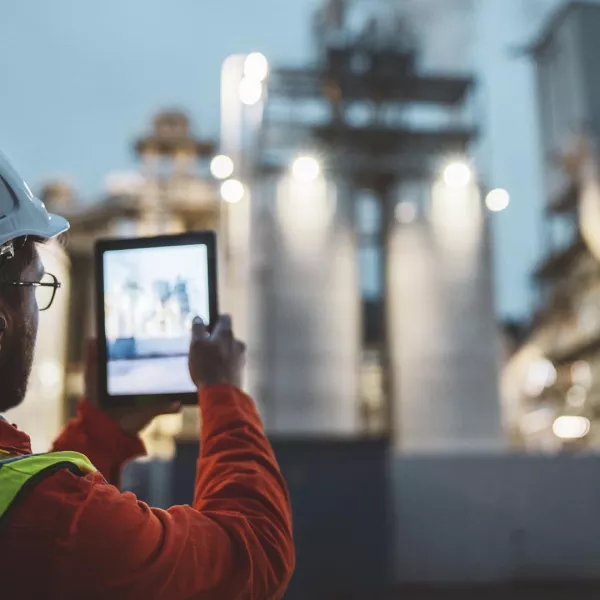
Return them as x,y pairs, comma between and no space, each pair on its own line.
37,530
49,505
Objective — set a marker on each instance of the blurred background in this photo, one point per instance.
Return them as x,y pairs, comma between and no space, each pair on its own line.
407,199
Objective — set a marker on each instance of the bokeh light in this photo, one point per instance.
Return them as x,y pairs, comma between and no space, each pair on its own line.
306,169
221,167
405,212
251,91
497,200
232,191
256,67
458,174
571,428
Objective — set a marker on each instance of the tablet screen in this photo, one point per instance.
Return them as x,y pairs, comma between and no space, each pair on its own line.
151,296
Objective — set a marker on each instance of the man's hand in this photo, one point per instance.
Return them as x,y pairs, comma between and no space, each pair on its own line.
130,420
217,358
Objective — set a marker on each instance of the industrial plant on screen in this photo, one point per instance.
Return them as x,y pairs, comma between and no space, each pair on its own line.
151,297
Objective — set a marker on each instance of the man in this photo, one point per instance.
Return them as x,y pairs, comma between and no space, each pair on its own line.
65,529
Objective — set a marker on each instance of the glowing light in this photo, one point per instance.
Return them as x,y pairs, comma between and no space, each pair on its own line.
537,421
576,396
581,374
251,91
571,428
304,215
541,375
169,425
497,200
50,374
256,67
456,224
306,169
405,212
221,167
458,175
232,191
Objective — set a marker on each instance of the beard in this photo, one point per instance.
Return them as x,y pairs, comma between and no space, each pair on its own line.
15,366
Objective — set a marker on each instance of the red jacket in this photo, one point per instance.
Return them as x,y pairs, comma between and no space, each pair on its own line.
80,538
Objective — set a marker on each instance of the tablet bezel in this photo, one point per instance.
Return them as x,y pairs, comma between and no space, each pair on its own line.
206,238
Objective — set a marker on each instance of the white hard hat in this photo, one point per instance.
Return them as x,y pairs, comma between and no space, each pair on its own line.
21,213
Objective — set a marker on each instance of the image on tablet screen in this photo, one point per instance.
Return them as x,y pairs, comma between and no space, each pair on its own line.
151,296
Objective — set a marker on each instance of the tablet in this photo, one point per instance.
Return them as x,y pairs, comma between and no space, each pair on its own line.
149,290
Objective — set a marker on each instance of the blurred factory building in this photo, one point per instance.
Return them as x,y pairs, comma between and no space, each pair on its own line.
172,192
329,176
350,197
376,288
550,387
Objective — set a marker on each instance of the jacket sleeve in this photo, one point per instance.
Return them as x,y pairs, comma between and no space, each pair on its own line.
93,433
234,542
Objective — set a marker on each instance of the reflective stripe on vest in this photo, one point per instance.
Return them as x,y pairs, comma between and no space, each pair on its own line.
20,473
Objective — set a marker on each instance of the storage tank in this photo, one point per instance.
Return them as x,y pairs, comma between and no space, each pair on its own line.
308,332
443,339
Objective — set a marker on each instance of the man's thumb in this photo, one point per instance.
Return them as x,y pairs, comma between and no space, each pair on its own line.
198,329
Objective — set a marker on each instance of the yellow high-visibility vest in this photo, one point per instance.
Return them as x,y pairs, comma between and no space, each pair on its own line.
19,474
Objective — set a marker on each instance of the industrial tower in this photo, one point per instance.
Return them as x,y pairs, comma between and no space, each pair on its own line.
374,276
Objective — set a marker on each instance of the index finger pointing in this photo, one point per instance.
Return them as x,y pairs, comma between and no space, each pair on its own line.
223,328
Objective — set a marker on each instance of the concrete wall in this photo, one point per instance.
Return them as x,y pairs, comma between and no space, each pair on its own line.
491,519
458,519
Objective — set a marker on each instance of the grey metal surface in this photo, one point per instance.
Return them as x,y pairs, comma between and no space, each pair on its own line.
444,346
496,518
307,329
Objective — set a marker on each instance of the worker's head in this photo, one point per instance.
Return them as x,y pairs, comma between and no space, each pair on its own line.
18,320
24,221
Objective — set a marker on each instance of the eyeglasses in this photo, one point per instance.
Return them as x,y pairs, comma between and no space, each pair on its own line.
45,289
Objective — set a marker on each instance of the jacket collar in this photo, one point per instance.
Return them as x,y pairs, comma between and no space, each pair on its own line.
12,440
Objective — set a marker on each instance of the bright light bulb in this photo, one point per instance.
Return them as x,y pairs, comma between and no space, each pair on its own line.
541,375
251,91
221,167
571,428
497,200
306,169
256,66
405,212
458,175
232,191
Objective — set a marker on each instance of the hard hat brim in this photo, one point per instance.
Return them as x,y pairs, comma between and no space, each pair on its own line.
56,226
53,227
23,214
